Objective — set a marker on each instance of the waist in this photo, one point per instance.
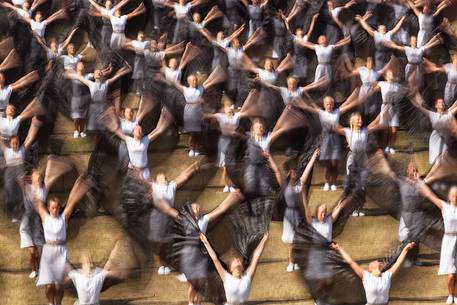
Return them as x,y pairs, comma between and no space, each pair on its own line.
450,233
414,63
323,63
118,31
131,166
55,242
377,303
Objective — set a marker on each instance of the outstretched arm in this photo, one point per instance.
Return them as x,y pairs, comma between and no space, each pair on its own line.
398,25
395,46
25,81
433,42
126,69
67,40
342,42
401,258
339,207
418,102
225,205
236,33
425,191
73,75
121,4
97,6
219,268
441,7
430,67
304,177
60,14
312,24
352,101
187,174
138,11
356,267
365,25
256,256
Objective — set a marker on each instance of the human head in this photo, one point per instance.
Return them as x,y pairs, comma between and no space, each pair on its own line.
182,2
228,107
54,206
80,67
321,212
37,179
10,110
299,32
220,35
87,264
452,196
53,45
268,65
98,74
140,36
108,4
390,76
235,43
196,17
322,40
161,178
413,41
26,6
117,13
329,103
71,49
236,267
370,63
454,59
173,63
291,83
355,120
330,5
439,105
382,29
196,209
258,127
14,143
192,81
38,16
138,132
128,114
411,170
375,267
426,10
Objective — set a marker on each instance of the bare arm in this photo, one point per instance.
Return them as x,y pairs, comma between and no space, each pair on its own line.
414,8
441,7
187,174
41,209
425,191
36,3
275,169
398,25
342,42
365,26
219,268
68,39
418,102
225,205
354,266
121,4
138,11
256,256
126,69
25,81
339,207
401,258
312,24
304,177
73,75
95,5
430,67
395,46
56,16
304,195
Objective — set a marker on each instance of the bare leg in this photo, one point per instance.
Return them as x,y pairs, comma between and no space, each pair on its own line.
334,172
451,283
393,136
33,253
445,166
291,254
58,294
226,177
191,294
328,171
50,292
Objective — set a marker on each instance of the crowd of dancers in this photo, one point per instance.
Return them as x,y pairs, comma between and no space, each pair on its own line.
239,78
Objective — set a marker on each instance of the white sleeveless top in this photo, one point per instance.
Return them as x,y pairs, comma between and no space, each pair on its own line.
118,23
414,55
324,228
89,287
449,213
181,11
10,127
227,122
267,76
140,46
69,62
164,191
289,95
38,27
377,288
237,289
55,228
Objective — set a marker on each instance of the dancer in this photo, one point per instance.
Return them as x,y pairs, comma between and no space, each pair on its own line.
255,12
9,125
7,90
38,25
331,142
450,69
237,281
448,264
376,282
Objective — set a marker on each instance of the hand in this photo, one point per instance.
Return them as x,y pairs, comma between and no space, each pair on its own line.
336,247
265,154
265,236
317,152
203,238
358,17
315,16
409,246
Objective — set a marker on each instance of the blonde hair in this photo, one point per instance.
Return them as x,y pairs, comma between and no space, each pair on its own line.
351,124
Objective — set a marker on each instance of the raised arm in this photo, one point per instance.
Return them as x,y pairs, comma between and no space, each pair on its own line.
126,69
68,39
300,103
305,43
339,207
312,24
354,266
425,191
396,266
394,46
120,5
415,10
36,4
352,101
236,33
97,6
430,67
138,11
275,169
365,25
418,102
219,268
56,16
41,209
441,7
79,189
304,177
225,205
342,42
73,75
256,256
25,81
433,42
398,25
185,175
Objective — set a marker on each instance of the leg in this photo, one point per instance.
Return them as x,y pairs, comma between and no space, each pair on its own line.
334,172
291,254
444,167
33,253
58,294
328,171
451,284
393,136
50,292
191,294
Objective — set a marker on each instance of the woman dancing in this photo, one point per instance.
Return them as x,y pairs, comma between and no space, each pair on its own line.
376,283
7,90
9,125
38,25
448,263
237,281
450,69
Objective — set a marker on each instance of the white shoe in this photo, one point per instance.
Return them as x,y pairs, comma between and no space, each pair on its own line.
387,150
191,153
14,220
361,214
450,299
166,270
232,189
161,270
182,277
355,214
83,134
196,153
326,187
455,300
392,151
32,275
226,189
75,134
296,267
290,267
333,187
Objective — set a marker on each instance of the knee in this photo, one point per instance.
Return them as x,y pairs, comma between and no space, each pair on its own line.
451,277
